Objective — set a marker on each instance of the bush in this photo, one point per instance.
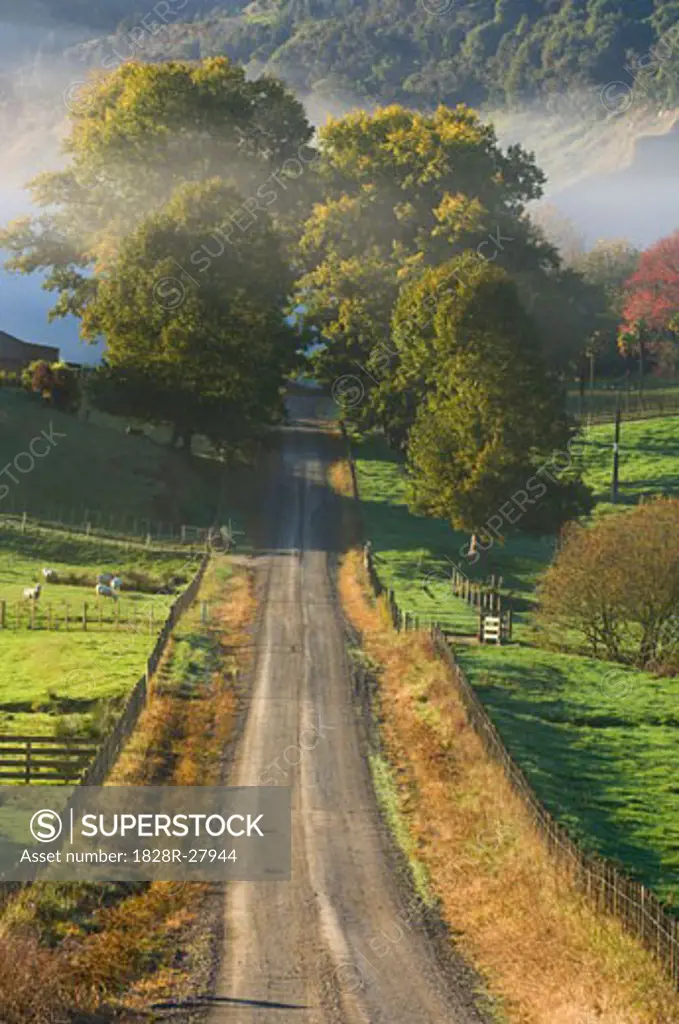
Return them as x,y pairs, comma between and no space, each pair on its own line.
9,379
616,585
37,376
65,388
57,382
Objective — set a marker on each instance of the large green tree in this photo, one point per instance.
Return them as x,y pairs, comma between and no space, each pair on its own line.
139,132
178,165
209,346
404,191
492,417
608,265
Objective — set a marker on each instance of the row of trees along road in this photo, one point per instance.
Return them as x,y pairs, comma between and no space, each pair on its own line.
461,356
430,283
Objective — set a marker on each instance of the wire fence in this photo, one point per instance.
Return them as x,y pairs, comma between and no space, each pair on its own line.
101,615
601,406
110,523
605,886
108,752
102,759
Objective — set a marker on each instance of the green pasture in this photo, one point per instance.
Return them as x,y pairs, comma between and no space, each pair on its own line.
648,465
597,741
68,677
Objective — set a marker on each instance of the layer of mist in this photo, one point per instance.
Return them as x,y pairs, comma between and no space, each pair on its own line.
612,172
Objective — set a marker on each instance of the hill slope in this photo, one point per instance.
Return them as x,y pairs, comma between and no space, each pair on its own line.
88,466
430,51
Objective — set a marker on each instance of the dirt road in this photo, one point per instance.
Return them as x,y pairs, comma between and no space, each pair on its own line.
328,946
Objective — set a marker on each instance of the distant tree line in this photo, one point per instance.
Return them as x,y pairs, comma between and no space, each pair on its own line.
424,53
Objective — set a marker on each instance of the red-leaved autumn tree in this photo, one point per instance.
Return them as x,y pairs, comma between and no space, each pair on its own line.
652,292
650,313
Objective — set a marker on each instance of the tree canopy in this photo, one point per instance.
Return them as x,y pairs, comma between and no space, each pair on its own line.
403,191
491,416
211,343
157,236
650,306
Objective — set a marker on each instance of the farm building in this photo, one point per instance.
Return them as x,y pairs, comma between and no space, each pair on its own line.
15,354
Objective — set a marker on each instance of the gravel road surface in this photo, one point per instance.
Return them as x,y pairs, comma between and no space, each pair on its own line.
340,941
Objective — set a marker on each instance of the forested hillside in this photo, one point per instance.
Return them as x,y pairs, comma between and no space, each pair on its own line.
423,52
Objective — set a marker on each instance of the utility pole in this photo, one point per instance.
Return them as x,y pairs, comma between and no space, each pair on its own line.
616,453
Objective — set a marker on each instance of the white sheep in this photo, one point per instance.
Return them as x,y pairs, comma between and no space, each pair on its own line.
50,575
32,593
103,591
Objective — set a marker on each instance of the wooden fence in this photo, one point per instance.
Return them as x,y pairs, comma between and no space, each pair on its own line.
603,884
44,758
601,406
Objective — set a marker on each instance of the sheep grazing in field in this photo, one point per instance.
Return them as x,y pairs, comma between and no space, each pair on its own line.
103,591
50,575
32,593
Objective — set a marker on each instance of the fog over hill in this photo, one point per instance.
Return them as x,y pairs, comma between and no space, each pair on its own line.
612,171
613,176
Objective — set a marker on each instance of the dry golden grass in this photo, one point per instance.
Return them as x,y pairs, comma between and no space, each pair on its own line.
546,956
128,957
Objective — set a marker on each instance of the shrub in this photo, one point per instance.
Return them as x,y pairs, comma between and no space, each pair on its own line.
57,382
65,387
615,584
39,374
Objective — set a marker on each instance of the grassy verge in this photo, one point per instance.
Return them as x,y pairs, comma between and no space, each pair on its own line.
545,956
599,746
120,949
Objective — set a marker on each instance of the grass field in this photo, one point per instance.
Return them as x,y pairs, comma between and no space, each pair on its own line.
68,679
96,466
71,679
599,743
649,459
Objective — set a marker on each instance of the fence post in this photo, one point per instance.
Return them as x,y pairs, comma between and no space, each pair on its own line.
85,616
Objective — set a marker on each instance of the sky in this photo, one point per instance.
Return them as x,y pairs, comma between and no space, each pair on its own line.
24,305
